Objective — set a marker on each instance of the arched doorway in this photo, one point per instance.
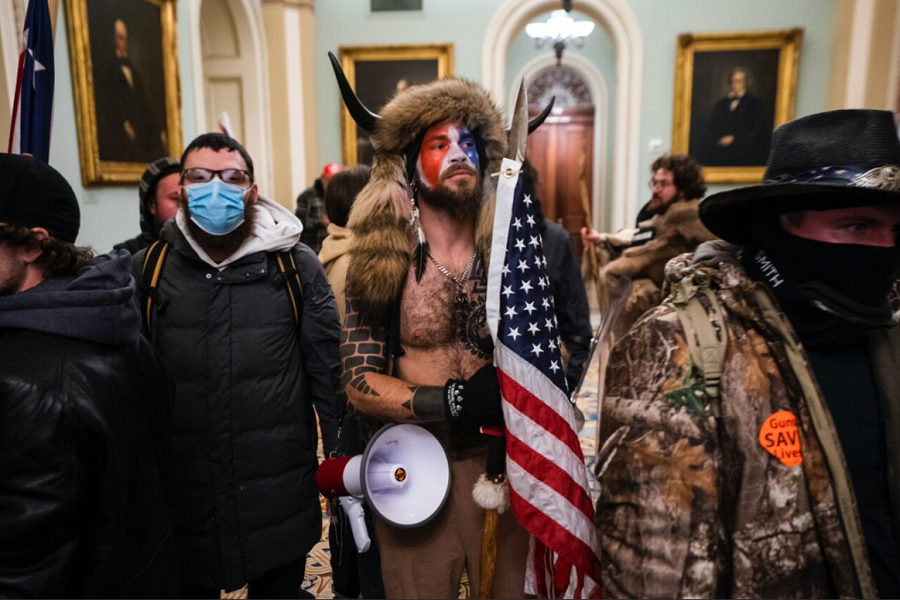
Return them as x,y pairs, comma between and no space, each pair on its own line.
617,18
230,76
585,69
562,149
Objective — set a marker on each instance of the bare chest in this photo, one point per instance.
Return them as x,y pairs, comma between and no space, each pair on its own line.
436,316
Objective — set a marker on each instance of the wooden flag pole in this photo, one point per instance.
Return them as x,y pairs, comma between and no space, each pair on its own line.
592,261
53,7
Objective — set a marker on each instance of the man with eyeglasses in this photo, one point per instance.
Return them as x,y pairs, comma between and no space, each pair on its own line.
667,225
247,370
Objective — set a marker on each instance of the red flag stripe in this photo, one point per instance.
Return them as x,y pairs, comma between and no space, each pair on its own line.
552,505
551,475
524,401
571,548
531,433
559,523
16,129
531,378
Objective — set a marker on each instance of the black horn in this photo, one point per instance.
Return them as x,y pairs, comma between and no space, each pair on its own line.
539,120
364,117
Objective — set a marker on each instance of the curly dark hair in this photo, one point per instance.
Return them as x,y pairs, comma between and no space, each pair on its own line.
57,259
686,171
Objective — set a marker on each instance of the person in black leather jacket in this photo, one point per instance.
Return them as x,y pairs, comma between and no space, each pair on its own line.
85,478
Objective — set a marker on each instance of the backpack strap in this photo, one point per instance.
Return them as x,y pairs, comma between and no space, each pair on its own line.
151,272
291,276
704,328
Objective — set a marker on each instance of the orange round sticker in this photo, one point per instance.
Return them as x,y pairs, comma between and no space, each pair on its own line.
780,437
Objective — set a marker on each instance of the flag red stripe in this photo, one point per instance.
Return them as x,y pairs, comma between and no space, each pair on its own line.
527,403
549,532
547,471
16,101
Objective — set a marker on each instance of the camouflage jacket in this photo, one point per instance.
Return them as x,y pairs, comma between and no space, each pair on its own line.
692,504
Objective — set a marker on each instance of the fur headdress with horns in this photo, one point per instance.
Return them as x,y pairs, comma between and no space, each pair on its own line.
380,219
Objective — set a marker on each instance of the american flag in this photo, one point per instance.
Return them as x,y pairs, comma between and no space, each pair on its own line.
545,466
32,113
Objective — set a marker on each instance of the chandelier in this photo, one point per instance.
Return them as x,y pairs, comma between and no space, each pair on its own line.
560,31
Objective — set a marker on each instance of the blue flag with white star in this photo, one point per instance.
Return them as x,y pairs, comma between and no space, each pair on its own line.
527,322
32,115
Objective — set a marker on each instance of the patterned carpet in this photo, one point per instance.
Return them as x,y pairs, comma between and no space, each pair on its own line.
318,565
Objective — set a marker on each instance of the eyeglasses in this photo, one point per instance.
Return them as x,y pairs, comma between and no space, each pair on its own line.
659,183
232,176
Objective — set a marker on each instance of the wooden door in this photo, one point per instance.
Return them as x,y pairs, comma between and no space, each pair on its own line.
555,150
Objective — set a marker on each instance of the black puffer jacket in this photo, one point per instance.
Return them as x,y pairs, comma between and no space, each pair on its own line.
86,487
244,427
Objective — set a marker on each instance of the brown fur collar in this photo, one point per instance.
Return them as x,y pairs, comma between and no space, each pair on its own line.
381,253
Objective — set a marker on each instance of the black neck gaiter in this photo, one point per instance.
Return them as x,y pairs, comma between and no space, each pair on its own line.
830,292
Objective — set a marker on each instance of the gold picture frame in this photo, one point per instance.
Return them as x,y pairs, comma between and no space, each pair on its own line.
376,73
117,82
725,120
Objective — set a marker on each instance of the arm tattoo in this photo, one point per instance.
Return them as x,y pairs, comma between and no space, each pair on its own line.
369,386
362,351
426,404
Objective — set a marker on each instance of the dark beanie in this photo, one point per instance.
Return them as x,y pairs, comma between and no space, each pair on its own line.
34,194
155,171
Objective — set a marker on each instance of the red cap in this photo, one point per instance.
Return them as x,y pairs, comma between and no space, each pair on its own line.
330,477
330,169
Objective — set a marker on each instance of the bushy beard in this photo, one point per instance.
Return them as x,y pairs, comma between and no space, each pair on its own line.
12,278
460,204
226,244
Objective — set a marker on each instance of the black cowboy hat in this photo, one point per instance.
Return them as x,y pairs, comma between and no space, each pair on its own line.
827,160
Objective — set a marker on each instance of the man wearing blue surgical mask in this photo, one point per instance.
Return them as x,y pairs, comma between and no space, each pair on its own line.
251,353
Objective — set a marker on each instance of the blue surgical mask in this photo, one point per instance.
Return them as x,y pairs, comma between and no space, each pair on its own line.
215,206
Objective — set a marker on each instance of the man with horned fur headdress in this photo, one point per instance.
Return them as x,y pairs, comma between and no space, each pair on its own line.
415,344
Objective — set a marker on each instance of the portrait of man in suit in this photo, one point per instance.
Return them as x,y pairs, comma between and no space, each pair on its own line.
129,94
736,133
733,107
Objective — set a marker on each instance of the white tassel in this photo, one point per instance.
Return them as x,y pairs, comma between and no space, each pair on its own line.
491,496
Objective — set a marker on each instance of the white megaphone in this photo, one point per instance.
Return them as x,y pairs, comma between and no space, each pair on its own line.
404,476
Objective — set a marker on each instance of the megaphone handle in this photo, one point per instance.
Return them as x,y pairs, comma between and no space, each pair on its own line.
357,517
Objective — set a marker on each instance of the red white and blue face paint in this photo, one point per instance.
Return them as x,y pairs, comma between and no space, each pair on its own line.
448,153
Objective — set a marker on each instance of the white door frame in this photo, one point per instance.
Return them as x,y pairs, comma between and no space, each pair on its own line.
621,24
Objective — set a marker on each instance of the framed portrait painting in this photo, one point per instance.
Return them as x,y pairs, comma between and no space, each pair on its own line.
377,73
731,91
125,75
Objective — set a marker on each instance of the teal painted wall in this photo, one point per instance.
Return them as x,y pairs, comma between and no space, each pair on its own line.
351,23
463,22
108,214
661,21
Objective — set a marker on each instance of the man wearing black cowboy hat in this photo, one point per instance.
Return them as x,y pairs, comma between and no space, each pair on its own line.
751,424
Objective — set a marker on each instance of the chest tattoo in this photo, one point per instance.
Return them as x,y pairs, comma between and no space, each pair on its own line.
471,318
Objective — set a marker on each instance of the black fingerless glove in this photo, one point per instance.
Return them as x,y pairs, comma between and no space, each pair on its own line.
475,400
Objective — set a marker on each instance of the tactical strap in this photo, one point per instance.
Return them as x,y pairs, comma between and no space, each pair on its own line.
704,329
155,260
150,275
291,277
824,430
